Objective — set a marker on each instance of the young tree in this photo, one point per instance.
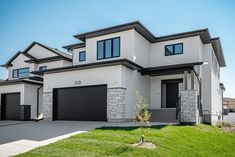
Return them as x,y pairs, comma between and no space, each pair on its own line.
142,115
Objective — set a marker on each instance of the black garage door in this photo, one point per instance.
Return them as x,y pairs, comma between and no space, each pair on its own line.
10,108
87,103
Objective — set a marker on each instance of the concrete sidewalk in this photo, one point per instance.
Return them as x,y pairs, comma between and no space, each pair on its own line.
22,146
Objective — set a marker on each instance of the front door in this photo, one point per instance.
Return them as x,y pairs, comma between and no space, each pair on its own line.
172,92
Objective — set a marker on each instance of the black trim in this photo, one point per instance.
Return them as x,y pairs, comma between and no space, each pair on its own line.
125,62
174,49
73,46
104,50
49,59
169,69
21,80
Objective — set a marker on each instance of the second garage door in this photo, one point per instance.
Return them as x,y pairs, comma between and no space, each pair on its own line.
10,106
80,103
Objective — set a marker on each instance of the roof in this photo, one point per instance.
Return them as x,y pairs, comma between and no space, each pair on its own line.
169,69
216,44
56,51
62,55
30,80
73,46
138,26
125,62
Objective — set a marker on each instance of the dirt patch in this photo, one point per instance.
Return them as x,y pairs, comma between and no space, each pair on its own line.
230,128
148,145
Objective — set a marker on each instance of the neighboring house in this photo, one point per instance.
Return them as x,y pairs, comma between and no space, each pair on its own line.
21,93
229,103
179,74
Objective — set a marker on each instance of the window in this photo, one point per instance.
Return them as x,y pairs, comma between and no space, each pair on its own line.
18,73
174,49
82,56
108,48
42,68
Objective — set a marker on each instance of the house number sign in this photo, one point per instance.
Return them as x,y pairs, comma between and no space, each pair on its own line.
77,83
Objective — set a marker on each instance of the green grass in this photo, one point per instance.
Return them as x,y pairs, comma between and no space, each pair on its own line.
192,141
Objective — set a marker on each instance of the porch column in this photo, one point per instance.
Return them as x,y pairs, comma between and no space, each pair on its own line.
189,113
185,80
192,79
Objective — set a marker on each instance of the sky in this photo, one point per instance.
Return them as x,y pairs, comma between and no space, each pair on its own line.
54,22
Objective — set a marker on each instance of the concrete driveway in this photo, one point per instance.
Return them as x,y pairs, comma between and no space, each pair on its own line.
17,136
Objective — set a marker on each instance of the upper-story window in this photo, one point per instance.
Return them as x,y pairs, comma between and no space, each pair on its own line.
82,56
108,48
19,73
43,68
174,49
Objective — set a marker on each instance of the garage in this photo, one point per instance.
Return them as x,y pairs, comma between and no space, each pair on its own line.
85,103
10,107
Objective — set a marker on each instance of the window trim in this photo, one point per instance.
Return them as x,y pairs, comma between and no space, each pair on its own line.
174,49
17,70
104,56
42,67
80,57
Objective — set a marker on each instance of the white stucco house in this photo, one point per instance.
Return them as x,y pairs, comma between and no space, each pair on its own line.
97,80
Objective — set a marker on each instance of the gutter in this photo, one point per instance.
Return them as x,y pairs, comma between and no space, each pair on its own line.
38,101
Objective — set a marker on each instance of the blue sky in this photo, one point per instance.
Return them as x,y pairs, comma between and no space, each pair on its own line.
53,22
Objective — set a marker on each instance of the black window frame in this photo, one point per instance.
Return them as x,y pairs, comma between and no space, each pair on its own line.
112,51
41,68
80,56
174,49
17,72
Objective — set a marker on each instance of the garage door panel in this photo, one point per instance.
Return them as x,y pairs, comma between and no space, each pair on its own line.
10,106
81,103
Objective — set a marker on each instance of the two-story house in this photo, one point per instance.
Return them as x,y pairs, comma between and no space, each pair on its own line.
21,93
178,74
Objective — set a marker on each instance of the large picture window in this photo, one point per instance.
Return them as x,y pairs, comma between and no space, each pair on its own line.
108,48
174,49
19,73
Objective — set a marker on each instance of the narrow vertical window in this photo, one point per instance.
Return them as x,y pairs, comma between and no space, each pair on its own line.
100,49
82,56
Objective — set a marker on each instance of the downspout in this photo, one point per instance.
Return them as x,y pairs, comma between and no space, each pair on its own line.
38,100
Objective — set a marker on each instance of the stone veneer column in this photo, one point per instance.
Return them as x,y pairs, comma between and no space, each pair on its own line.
116,104
189,113
47,106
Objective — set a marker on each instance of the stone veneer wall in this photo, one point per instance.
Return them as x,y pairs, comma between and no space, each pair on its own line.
189,113
116,104
47,106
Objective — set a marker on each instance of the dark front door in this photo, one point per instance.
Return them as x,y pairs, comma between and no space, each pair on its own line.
172,93
87,103
10,106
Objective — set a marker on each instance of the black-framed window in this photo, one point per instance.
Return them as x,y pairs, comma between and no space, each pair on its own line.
174,49
108,48
18,73
82,56
43,68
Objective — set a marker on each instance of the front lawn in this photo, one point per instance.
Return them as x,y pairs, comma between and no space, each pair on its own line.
192,141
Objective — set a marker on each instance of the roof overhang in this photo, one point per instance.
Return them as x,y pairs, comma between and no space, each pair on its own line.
49,59
125,62
139,27
74,46
169,69
216,44
30,80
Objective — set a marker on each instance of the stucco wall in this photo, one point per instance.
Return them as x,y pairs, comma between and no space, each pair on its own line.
39,52
191,51
126,47
28,95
